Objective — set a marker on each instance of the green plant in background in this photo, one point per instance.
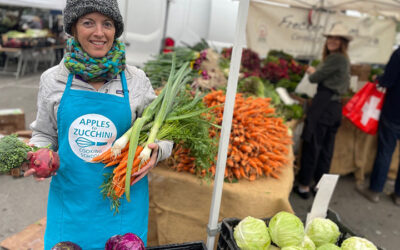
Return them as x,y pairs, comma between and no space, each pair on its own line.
375,71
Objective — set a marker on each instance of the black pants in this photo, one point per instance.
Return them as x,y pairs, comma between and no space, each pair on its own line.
316,155
388,134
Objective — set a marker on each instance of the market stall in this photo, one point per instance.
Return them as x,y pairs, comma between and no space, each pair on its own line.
31,35
179,203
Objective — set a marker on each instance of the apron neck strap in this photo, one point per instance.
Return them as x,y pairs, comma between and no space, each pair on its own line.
123,80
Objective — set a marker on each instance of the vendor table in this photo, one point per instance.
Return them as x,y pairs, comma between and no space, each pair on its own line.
355,153
180,202
26,56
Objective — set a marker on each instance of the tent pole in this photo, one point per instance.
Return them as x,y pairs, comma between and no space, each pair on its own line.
239,43
164,32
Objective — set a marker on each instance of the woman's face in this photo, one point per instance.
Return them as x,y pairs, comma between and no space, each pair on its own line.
95,32
333,43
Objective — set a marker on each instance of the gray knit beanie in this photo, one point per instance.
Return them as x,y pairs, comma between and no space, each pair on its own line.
77,8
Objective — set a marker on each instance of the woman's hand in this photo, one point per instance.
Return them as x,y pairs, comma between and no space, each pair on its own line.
310,70
151,164
53,161
30,171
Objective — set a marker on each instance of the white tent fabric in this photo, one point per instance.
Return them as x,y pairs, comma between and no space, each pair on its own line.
373,7
44,4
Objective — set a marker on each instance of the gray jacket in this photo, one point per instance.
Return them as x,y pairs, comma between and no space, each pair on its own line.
333,73
52,84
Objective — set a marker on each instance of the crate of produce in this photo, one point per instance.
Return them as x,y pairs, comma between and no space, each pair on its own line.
226,240
184,246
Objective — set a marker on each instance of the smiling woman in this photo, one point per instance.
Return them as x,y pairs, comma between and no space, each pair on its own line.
95,32
87,101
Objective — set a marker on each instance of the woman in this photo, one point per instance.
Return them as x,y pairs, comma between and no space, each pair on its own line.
324,116
87,101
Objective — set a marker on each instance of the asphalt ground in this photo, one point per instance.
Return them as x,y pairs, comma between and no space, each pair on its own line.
23,201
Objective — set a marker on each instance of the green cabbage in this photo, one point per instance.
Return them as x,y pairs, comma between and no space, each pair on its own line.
286,229
252,233
272,247
358,243
328,246
308,244
322,231
292,248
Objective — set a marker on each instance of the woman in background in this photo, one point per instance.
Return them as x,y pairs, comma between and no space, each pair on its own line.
325,113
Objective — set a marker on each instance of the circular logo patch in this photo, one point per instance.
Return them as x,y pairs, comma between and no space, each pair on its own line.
90,135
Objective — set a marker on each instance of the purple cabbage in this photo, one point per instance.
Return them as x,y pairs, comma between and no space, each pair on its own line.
112,242
128,241
66,245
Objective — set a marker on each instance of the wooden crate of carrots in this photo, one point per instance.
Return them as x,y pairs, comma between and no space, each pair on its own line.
259,140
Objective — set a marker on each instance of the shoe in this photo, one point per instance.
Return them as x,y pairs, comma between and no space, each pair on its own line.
303,195
314,190
395,198
369,194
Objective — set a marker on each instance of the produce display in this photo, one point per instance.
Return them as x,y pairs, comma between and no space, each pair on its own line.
259,141
173,115
286,231
158,69
14,152
28,39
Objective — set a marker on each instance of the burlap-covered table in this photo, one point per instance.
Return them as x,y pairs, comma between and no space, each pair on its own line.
180,203
355,153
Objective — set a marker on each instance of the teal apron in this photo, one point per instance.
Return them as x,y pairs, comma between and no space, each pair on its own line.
88,123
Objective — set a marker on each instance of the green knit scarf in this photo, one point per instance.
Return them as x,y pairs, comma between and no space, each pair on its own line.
92,69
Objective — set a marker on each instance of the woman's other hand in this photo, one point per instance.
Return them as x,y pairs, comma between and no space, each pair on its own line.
151,164
30,171
310,70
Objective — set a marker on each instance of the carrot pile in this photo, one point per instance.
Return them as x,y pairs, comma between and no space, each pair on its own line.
258,142
117,188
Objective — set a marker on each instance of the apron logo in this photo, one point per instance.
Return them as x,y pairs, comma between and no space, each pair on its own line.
90,135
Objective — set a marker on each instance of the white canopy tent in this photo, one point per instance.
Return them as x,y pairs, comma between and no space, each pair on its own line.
373,7
43,4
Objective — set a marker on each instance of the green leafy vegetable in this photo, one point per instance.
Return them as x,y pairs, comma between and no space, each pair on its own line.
328,246
358,243
286,229
13,152
253,85
308,244
252,233
322,231
292,248
158,70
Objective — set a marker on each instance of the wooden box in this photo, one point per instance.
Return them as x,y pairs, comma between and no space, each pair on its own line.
361,70
11,120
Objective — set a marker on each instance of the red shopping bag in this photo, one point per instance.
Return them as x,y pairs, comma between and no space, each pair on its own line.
364,108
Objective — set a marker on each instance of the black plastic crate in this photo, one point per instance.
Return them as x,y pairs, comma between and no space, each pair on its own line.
184,246
227,242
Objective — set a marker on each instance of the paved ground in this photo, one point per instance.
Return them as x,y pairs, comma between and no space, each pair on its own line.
23,201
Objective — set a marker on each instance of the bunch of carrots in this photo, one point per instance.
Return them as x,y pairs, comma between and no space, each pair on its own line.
117,188
259,140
